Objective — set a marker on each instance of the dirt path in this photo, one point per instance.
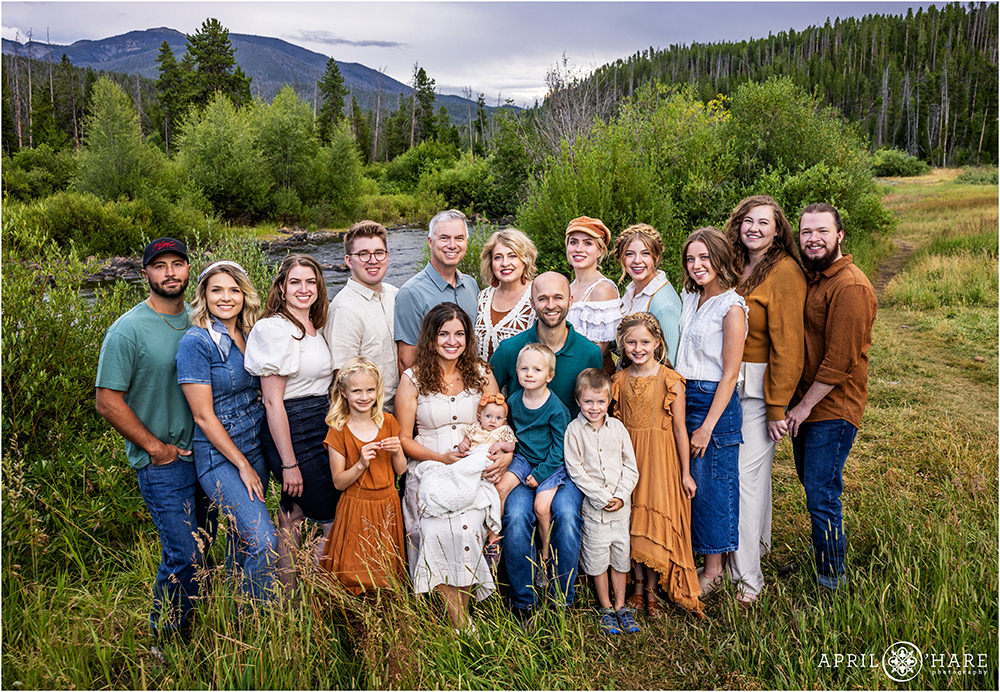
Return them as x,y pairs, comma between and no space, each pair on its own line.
892,265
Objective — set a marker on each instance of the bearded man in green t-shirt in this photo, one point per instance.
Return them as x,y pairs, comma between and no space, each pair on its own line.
138,393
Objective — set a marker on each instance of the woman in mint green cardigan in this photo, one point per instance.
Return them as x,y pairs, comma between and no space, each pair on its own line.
639,249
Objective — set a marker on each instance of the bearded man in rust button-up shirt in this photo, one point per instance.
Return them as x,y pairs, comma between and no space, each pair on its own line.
830,398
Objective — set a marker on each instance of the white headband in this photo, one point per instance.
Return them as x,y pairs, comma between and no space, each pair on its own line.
220,263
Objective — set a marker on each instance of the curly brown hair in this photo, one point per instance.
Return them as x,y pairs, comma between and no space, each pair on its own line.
719,253
783,245
275,303
427,364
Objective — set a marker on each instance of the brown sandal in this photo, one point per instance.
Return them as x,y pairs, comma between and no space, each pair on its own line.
654,610
635,601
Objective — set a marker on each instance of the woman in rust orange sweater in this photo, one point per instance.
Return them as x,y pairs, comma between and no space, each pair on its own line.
774,287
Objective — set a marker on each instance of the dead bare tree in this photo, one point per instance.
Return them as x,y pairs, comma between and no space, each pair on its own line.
467,93
30,137
413,104
17,91
378,110
571,106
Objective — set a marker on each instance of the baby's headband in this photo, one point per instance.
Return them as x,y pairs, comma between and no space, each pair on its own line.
497,399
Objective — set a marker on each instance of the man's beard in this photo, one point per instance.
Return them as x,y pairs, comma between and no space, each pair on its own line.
544,319
168,293
819,264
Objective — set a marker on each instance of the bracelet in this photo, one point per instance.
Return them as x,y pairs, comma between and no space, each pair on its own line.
290,466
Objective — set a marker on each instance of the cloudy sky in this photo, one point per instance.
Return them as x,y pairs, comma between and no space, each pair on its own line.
502,49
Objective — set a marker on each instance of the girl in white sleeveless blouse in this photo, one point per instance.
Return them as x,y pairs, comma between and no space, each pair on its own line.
713,330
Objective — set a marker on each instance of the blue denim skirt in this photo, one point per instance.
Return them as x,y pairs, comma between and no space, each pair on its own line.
307,426
715,509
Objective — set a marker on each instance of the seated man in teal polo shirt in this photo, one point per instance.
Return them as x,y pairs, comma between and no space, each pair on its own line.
574,354
438,282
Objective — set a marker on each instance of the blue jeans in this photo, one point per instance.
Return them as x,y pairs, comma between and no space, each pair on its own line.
180,509
252,541
520,552
715,508
820,450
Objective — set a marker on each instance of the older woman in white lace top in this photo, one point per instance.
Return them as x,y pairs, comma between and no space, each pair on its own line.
506,266
595,306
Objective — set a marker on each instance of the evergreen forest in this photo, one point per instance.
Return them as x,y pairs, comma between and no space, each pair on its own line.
925,82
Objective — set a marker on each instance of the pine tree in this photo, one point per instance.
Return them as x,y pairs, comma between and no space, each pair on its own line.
424,105
170,92
215,68
362,131
479,146
332,93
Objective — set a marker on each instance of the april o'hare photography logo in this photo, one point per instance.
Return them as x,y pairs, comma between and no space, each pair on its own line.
902,661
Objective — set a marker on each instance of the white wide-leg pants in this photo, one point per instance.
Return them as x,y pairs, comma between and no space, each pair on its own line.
756,457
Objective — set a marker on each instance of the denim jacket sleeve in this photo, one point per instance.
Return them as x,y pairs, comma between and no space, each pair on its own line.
194,357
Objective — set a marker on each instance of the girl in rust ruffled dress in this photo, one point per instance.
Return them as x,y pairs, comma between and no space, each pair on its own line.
650,402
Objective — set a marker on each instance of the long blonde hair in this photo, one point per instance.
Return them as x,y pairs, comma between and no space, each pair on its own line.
251,301
340,410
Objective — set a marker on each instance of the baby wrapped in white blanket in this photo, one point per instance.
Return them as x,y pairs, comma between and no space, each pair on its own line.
447,489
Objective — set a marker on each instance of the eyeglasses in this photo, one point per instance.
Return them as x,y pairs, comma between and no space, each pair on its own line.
365,255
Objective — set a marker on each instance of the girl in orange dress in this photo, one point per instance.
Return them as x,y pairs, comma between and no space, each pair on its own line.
365,547
650,402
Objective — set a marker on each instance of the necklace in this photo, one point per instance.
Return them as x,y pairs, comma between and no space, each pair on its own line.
187,322
448,384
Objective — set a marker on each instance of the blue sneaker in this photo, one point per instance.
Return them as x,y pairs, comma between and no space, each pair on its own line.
627,620
608,621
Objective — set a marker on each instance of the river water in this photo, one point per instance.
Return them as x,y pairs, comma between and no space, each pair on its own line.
406,247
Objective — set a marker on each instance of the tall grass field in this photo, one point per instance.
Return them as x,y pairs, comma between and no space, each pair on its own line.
920,501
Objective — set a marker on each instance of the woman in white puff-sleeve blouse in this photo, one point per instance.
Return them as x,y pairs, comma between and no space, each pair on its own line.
288,352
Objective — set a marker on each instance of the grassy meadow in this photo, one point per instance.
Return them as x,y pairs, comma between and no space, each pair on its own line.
920,497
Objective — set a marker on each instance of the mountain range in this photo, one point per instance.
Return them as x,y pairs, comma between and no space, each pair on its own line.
271,62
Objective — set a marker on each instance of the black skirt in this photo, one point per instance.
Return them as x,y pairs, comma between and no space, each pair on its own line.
307,427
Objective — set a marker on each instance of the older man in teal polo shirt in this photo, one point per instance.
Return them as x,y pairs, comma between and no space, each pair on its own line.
574,354
438,282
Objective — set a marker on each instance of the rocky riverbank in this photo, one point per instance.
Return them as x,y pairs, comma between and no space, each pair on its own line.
130,268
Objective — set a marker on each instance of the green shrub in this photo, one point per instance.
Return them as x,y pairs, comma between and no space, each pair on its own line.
399,208
978,176
898,164
217,151
286,206
606,175
51,338
677,163
405,170
464,186
35,173
83,220
336,177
